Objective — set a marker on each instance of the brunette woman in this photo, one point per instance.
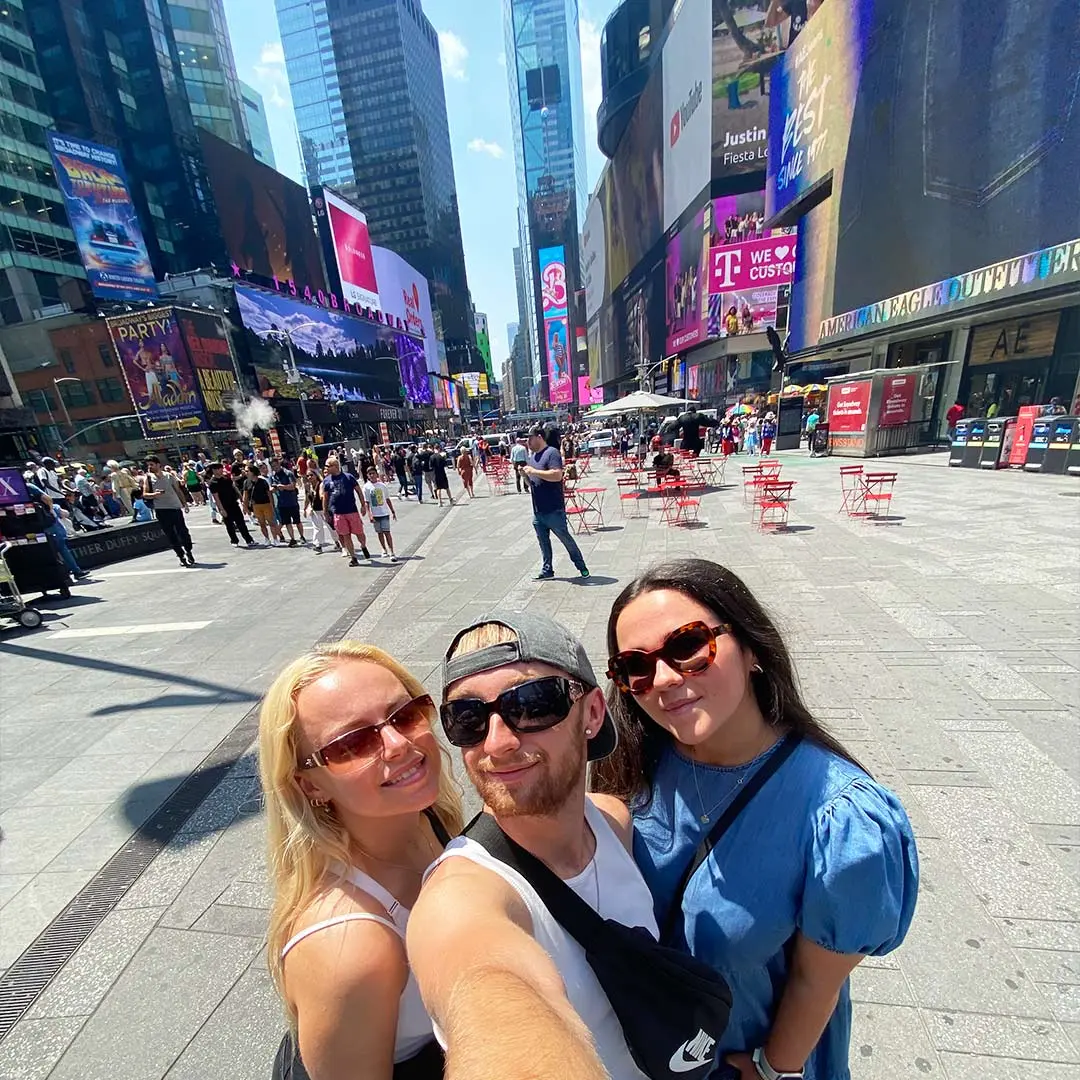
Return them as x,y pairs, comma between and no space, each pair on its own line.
817,871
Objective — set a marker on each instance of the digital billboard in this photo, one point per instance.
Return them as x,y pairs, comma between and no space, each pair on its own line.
593,258
686,265
338,357
556,324
404,294
962,197
748,37
412,366
264,217
687,63
158,372
589,394
92,180
347,248
483,343
212,360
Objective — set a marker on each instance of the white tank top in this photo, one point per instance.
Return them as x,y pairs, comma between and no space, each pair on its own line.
613,886
413,1023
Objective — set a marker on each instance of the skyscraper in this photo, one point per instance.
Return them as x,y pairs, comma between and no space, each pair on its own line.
41,264
258,130
366,82
206,62
543,52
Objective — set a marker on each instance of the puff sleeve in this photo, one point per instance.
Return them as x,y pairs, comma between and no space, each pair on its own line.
862,873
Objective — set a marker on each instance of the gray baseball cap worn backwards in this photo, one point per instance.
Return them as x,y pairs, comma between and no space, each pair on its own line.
541,640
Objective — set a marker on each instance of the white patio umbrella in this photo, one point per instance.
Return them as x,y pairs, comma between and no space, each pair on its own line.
638,401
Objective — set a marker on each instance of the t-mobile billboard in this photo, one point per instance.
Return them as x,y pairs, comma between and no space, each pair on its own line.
556,329
347,247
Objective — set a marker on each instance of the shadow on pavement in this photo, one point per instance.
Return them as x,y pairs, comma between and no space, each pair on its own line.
592,579
215,693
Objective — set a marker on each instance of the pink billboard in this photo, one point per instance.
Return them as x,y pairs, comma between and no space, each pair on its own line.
587,393
352,248
752,264
685,286
556,325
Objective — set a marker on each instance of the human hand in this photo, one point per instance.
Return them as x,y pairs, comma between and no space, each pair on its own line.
744,1063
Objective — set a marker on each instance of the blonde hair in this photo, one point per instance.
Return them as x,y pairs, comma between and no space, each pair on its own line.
483,636
306,841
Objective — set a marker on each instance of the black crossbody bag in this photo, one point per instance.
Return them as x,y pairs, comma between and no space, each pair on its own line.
672,1008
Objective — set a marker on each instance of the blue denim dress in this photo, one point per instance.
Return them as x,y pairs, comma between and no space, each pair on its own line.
821,849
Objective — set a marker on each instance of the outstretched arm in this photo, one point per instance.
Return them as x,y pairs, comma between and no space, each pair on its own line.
481,996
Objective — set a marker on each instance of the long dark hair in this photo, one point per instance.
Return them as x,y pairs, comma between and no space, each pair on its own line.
628,773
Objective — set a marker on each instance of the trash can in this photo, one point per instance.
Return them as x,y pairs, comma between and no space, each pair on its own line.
994,442
1062,436
976,435
959,442
1072,458
1036,451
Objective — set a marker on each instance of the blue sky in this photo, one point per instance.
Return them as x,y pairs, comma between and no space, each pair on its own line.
477,98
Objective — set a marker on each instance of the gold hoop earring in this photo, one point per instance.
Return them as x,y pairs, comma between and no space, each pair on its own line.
318,804
757,669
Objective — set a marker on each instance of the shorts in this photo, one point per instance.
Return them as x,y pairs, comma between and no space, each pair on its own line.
429,476
289,515
349,523
263,513
382,524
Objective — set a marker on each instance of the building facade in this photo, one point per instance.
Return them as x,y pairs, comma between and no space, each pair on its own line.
258,130
39,261
543,62
367,86
204,50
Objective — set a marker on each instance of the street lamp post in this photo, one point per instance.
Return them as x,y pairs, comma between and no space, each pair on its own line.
292,375
60,395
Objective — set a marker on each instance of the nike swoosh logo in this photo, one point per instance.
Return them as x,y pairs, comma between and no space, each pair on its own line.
678,1062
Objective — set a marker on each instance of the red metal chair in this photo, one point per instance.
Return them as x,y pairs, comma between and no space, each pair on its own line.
773,505
878,493
853,490
629,494
578,518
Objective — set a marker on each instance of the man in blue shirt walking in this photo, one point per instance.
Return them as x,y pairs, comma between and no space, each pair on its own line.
545,473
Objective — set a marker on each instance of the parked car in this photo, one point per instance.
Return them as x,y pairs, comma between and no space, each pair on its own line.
598,442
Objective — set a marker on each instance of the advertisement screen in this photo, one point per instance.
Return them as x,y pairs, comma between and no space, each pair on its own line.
556,332
897,398
972,195
748,37
347,232
158,373
103,218
483,343
594,258
849,405
687,77
748,266
264,217
338,357
211,358
471,381
686,286
404,293
587,395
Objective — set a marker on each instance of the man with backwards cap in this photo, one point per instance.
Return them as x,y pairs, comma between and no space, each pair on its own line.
511,993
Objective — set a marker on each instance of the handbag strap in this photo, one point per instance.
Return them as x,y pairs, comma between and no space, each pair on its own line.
572,913
752,786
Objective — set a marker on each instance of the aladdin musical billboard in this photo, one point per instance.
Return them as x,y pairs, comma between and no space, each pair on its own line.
338,357
556,324
103,218
346,247
158,372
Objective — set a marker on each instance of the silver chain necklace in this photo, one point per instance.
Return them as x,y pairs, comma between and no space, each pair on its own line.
706,815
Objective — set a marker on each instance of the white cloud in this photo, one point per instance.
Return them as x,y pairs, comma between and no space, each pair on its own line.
454,54
272,53
482,146
592,90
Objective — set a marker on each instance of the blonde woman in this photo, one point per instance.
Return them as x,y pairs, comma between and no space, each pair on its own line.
359,802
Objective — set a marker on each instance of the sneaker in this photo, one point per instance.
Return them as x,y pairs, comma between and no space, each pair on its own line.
317,549
190,559
353,561
293,543
585,573
393,558
545,575
253,544
235,543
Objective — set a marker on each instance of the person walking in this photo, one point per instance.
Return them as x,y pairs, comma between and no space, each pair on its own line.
813,418
340,490
466,467
313,506
381,510
519,457
953,417
545,473
193,484
401,469
125,485
440,476
55,527
768,433
416,467
819,869
259,503
426,452
283,484
226,501
164,492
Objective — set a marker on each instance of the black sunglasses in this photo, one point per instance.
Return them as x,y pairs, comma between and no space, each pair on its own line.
689,649
530,706
363,745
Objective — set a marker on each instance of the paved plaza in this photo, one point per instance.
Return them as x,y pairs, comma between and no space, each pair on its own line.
943,647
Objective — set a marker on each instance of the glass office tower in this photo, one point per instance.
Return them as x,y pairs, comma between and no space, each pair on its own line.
258,129
367,87
543,54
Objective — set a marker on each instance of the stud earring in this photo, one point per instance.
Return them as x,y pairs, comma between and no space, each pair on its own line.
757,669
